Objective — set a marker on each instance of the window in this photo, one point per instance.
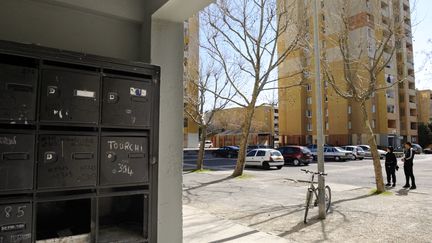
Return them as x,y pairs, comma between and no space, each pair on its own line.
251,153
309,87
309,127
390,108
326,112
373,109
349,109
308,113
309,100
260,153
373,123
326,98
349,125
327,126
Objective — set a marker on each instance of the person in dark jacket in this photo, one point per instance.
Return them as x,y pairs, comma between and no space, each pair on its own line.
408,166
390,166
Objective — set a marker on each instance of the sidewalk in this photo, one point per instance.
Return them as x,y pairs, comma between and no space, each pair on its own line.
269,208
200,226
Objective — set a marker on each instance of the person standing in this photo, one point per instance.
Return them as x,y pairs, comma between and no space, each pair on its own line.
408,166
390,166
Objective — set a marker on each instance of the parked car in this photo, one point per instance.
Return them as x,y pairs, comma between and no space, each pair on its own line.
333,153
207,144
368,153
357,151
427,150
258,146
417,148
337,154
296,155
227,152
265,158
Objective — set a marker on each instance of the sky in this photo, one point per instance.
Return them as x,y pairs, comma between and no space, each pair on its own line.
422,24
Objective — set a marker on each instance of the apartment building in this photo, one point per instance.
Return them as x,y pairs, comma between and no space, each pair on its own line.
191,71
227,126
392,112
424,105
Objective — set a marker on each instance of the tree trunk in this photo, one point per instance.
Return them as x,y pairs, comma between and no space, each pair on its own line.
238,171
374,150
200,159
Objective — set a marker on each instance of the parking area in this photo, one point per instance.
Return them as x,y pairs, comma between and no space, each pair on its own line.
272,201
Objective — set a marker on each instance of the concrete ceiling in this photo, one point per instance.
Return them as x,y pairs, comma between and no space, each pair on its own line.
131,10
180,10
134,10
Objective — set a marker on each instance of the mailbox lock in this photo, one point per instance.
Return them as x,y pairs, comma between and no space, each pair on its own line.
111,156
112,97
50,157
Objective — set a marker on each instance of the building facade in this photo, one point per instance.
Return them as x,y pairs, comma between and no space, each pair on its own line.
226,127
392,112
191,72
424,105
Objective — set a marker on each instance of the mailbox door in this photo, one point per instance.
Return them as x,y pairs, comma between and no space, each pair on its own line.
18,87
16,222
67,161
124,160
68,96
126,102
16,161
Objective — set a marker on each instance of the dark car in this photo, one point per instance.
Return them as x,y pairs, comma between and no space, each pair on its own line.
226,152
427,150
258,146
296,155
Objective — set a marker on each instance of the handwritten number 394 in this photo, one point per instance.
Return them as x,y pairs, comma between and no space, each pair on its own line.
19,214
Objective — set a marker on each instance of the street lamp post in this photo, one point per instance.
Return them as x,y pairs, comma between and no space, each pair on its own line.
319,114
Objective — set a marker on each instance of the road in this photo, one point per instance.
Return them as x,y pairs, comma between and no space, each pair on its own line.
356,173
272,201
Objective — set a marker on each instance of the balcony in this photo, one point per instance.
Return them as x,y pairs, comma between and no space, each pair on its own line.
391,124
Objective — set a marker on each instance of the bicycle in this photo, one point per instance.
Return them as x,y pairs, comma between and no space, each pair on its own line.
313,190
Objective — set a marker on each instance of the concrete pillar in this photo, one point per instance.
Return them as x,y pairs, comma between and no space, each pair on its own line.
167,52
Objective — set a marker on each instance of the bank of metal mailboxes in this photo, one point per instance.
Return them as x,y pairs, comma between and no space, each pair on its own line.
16,222
124,160
16,161
69,96
127,102
18,86
78,147
66,161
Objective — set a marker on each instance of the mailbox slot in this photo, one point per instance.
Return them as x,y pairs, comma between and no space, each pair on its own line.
16,161
16,222
67,161
69,96
60,221
124,160
127,102
123,218
18,86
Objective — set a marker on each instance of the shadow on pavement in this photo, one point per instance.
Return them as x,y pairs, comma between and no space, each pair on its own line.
235,237
402,192
201,185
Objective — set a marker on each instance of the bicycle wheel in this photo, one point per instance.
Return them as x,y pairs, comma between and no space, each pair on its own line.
309,196
327,198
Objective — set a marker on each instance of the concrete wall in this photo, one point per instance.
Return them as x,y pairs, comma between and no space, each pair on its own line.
66,28
114,28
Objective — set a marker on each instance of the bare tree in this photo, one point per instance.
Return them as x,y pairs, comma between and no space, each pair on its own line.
363,61
201,108
244,33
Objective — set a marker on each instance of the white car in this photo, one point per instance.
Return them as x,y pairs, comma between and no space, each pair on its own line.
207,144
265,158
337,153
368,153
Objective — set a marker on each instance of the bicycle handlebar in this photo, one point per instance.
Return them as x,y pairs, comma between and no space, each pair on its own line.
313,172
